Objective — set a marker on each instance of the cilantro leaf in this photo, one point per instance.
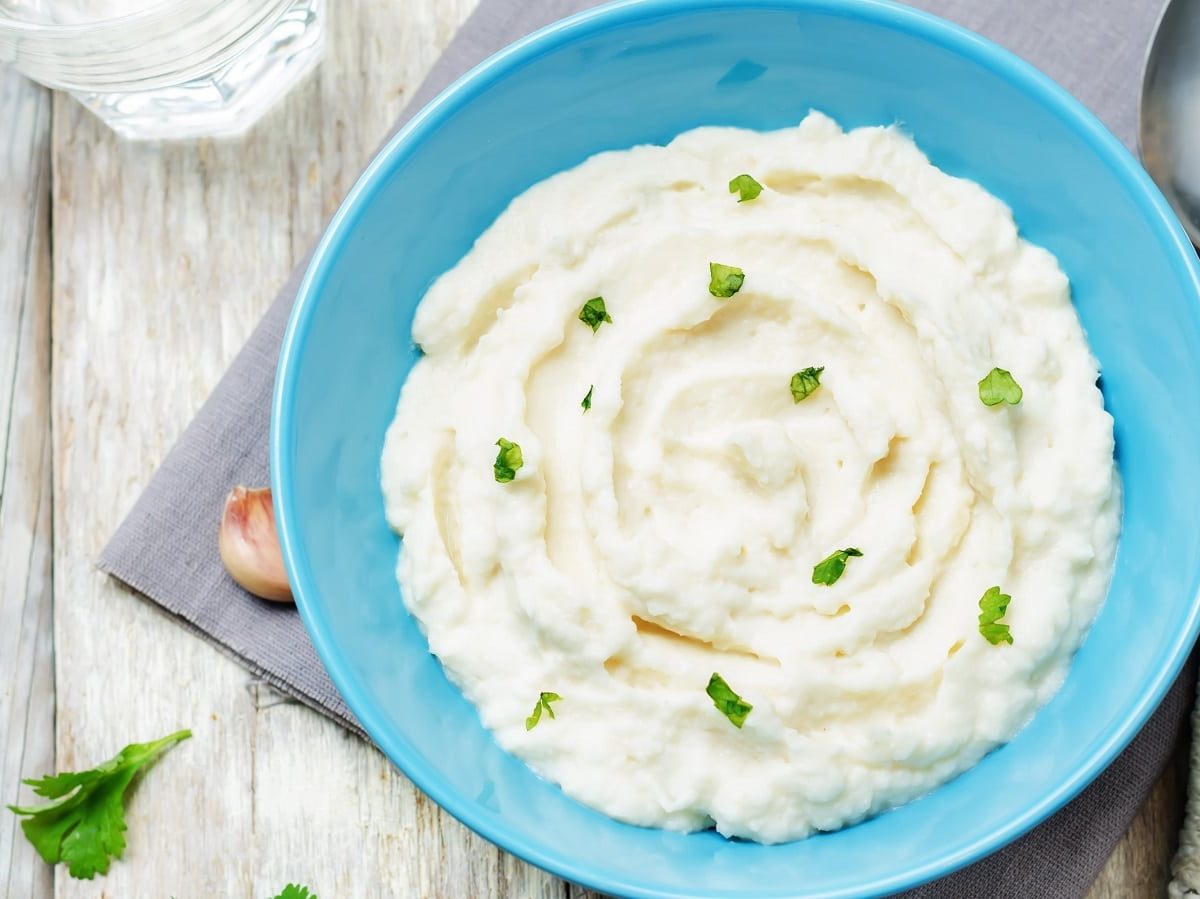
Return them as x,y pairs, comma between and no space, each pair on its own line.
544,700
593,314
999,386
805,382
508,461
745,187
727,702
992,606
829,569
724,280
587,400
52,786
83,824
295,891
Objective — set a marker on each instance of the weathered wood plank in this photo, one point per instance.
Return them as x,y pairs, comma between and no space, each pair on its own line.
139,337
26,647
145,318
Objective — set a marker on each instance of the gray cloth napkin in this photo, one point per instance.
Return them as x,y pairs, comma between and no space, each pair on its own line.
166,548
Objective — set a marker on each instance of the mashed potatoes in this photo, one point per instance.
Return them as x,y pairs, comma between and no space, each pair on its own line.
670,532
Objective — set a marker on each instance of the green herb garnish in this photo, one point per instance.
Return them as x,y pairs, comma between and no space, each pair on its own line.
992,607
745,187
508,461
83,824
724,280
829,569
727,702
805,382
543,702
998,386
587,400
295,891
593,314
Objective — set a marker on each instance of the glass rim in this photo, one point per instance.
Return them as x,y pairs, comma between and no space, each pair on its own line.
115,55
148,16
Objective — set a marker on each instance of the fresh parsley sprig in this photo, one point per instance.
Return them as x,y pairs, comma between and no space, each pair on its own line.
295,891
992,607
999,386
83,824
829,569
724,280
544,700
728,703
594,314
745,187
508,461
805,382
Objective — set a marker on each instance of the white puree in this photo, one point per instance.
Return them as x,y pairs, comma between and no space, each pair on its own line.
671,532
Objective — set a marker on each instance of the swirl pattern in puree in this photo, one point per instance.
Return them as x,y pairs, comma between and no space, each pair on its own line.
671,531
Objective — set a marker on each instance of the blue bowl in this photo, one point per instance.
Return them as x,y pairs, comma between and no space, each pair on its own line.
641,72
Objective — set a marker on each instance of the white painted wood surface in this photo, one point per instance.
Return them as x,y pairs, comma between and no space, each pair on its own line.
26,648
164,256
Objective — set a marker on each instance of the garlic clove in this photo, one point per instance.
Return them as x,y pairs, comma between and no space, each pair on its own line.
249,544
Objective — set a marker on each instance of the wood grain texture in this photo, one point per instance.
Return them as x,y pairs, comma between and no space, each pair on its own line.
26,647
1185,866
164,257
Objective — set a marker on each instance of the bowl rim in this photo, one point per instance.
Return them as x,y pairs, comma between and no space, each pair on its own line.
906,20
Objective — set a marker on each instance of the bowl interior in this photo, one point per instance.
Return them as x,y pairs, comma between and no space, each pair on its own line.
638,73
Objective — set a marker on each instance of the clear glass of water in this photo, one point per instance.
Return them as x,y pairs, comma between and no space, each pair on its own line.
166,68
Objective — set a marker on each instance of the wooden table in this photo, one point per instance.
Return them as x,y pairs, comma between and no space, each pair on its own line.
130,274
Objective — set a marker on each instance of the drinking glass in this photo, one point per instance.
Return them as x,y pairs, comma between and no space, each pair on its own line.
166,68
